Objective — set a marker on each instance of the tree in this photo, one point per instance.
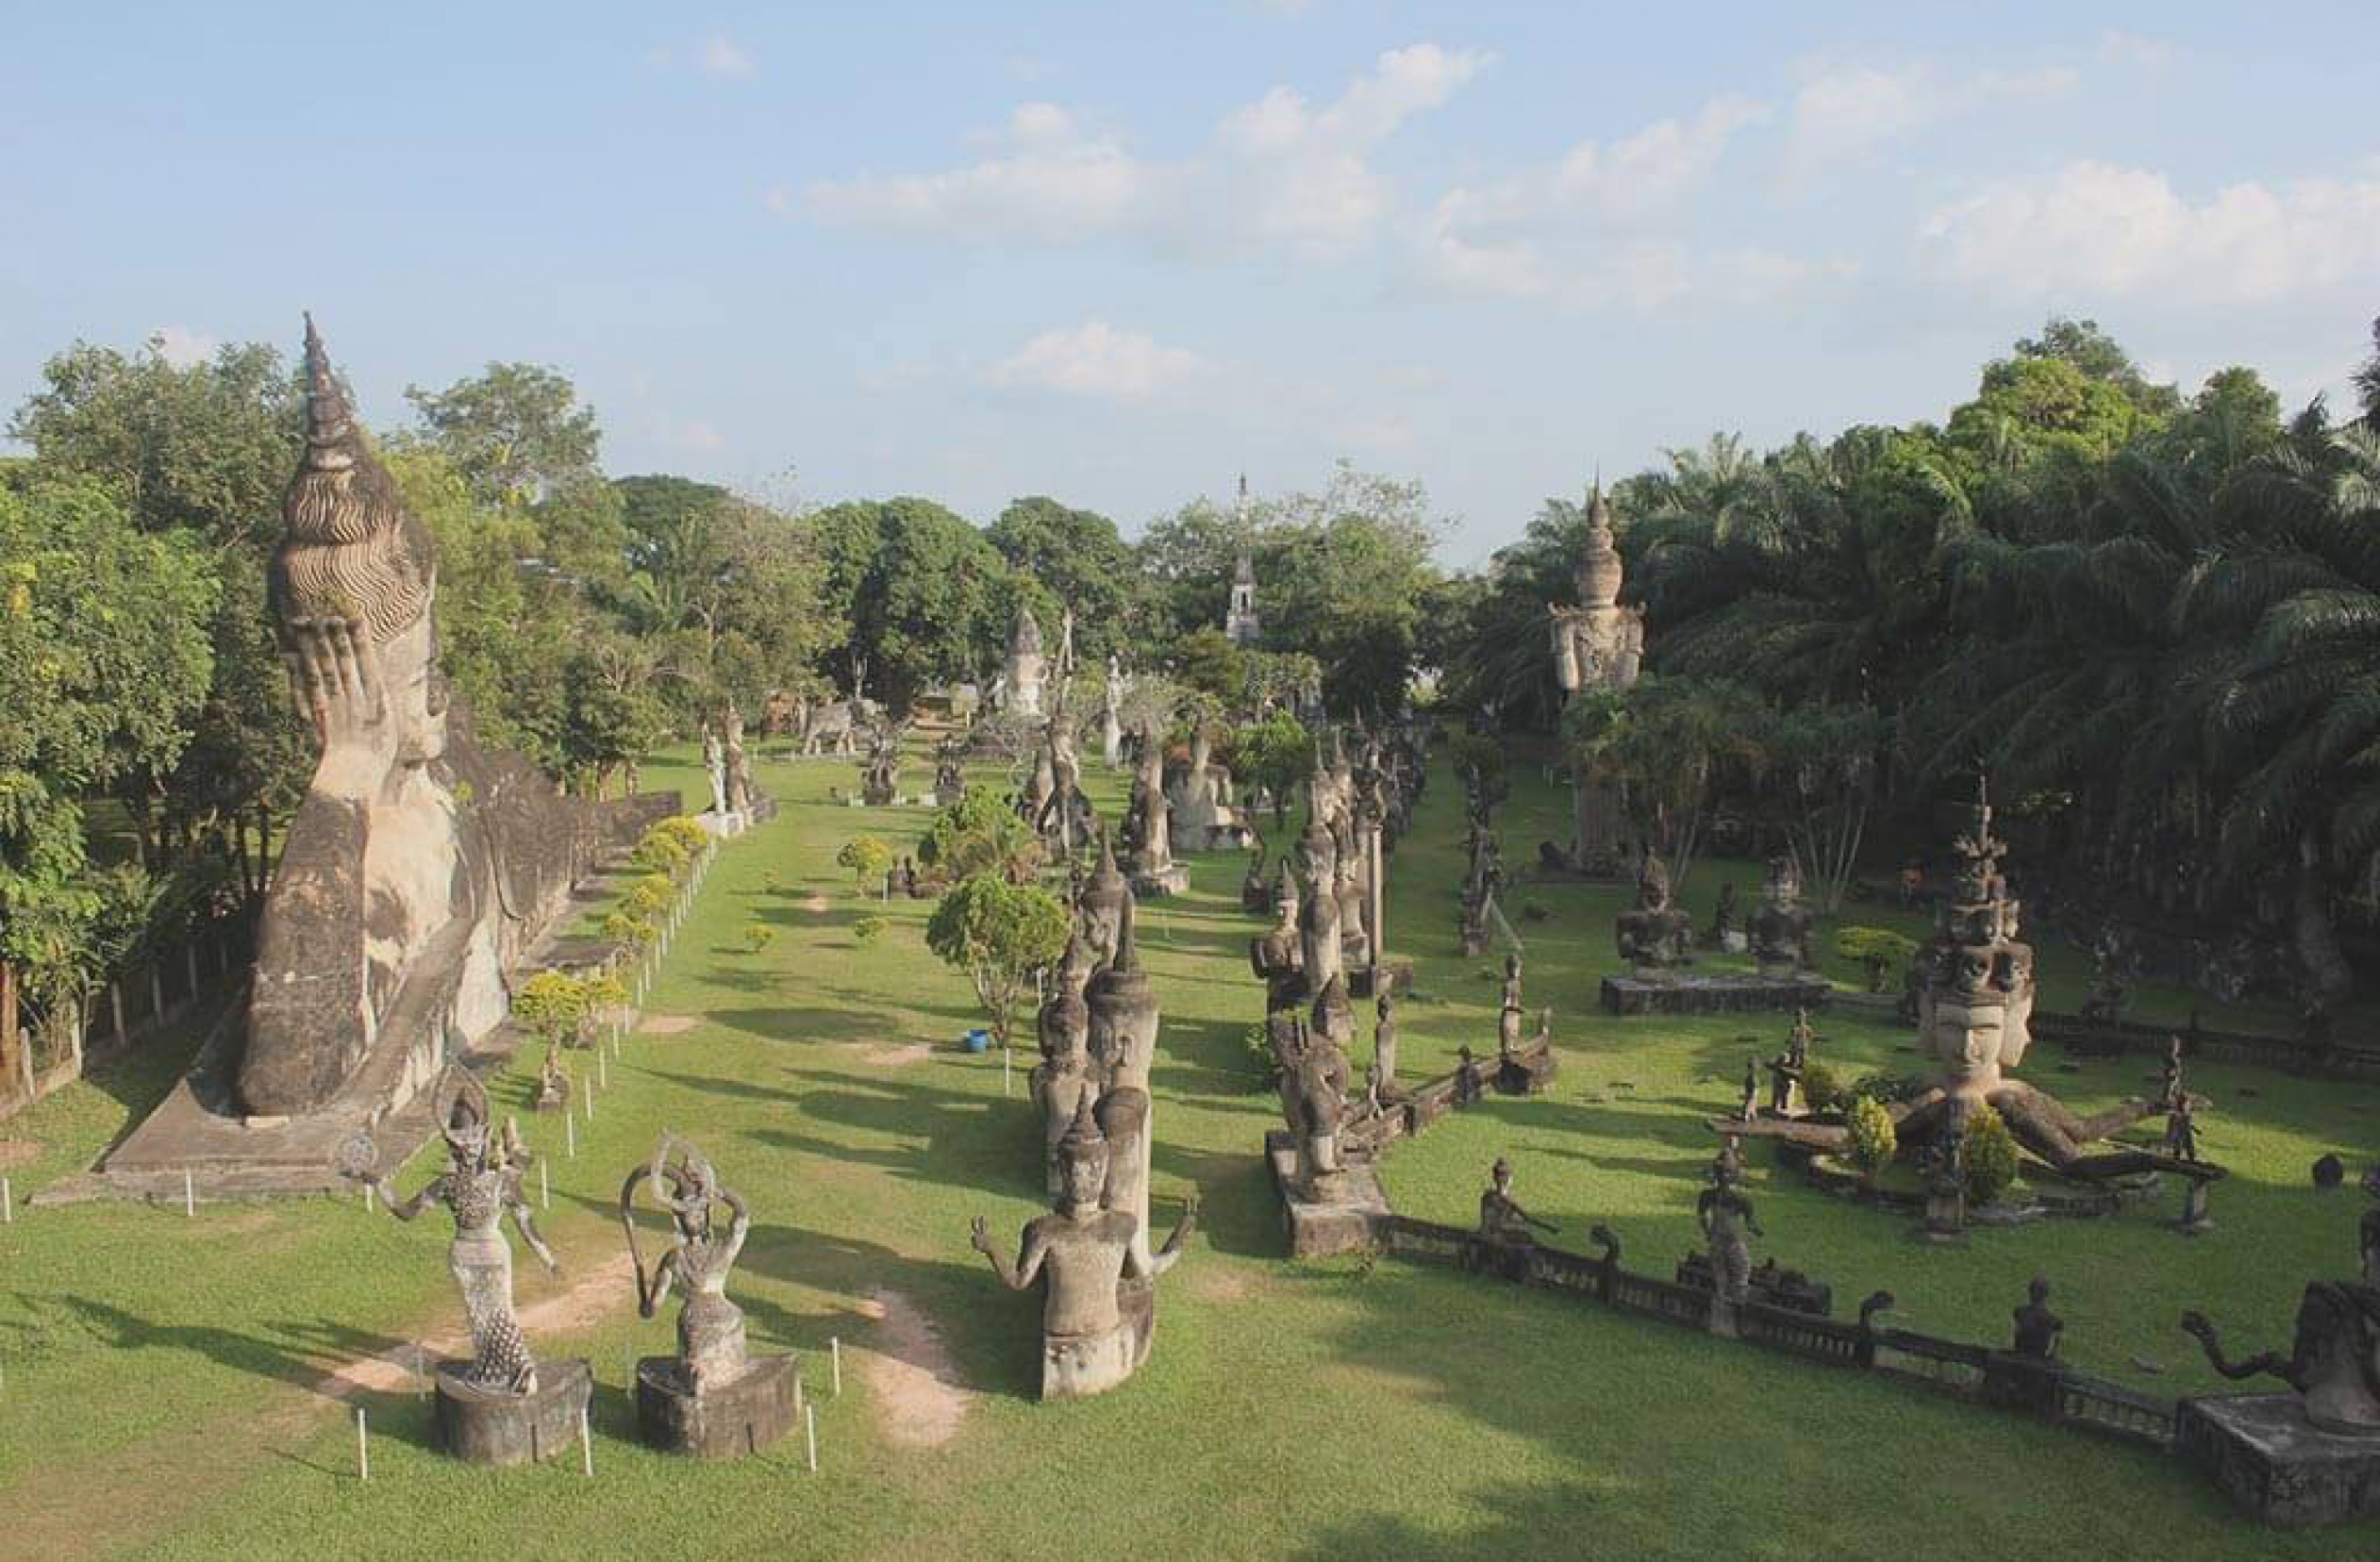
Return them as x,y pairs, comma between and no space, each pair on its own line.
867,858
1081,560
926,599
1000,934
104,661
977,834
1668,745
2367,382
1206,661
515,432
1275,753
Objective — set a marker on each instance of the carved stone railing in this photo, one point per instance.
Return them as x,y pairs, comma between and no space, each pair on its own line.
2094,1404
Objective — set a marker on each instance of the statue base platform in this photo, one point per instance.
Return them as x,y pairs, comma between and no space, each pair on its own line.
489,1426
2277,1465
1171,880
1368,981
1341,1221
1686,993
723,1420
1529,1072
1079,1368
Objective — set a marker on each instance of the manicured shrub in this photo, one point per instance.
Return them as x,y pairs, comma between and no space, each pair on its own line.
1822,1087
1874,1140
1990,1152
1880,952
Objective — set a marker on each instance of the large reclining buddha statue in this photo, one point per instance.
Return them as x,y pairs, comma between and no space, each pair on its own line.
418,865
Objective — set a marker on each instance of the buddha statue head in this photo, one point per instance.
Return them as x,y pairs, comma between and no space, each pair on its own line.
1082,1161
352,585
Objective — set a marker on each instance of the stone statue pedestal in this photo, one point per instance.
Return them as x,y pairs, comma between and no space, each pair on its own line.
490,1427
1682,992
722,1421
2194,1220
1528,1072
2277,1465
1075,1368
1317,1226
1393,976
1171,880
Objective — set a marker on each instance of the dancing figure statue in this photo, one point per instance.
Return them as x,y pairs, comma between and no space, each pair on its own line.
480,1186
710,1331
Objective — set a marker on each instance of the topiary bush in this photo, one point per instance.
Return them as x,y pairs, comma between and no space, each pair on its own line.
867,930
758,935
553,1005
1822,1087
1873,1140
1879,951
1990,1152
648,896
867,858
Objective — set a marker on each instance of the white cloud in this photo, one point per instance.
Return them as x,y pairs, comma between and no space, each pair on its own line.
1282,173
1846,111
696,436
2119,47
1097,359
714,54
721,55
2095,229
1595,228
183,347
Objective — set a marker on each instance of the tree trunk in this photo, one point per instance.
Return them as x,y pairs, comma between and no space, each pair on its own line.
11,1038
2316,934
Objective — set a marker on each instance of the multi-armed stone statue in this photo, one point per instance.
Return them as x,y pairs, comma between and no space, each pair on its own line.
498,1407
1974,1020
1091,1258
1205,819
2311,1455
714,1398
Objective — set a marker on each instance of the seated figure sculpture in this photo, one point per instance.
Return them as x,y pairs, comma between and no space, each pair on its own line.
1654,934
1084,1253
418,867
1780,927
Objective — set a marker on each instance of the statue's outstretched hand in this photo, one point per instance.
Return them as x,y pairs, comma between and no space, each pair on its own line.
979,1235
339,677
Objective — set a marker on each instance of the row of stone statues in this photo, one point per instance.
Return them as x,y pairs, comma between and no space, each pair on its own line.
1098,1030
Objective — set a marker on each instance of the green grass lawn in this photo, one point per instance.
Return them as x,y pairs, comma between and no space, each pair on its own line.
155,1404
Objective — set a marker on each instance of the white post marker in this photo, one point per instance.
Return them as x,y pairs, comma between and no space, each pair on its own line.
545,1189
367,1198
8,1203
363,1449
1004,1070
585,1445
570,1133
603,1069
835,1359
591,1109
810,1424
190,1195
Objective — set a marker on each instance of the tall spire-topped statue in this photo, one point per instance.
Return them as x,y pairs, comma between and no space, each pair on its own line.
1598,644
1239,620
1028,668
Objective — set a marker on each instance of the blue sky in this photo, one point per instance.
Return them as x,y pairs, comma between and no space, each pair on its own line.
1119,253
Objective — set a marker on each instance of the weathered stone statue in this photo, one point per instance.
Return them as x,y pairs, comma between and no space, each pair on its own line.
418,867
1598,644
1122,1029
1654,934
1509,1015
1278,958
714,1398
1383,1083
1722,917
1503,1222
1100,906
1780,928
2038,1328
1086,1253
739,771
715,767
1316,1088
1323,947
1027,669
950,776
1111,715
480,1186
1153,870
1749,1107
1068,1073
552,1082
1725,1214
496,1408
880,779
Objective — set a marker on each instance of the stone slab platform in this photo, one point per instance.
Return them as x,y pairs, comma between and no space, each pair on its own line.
1687,992
491,1427
726,1420
2274,1463
1316,1228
